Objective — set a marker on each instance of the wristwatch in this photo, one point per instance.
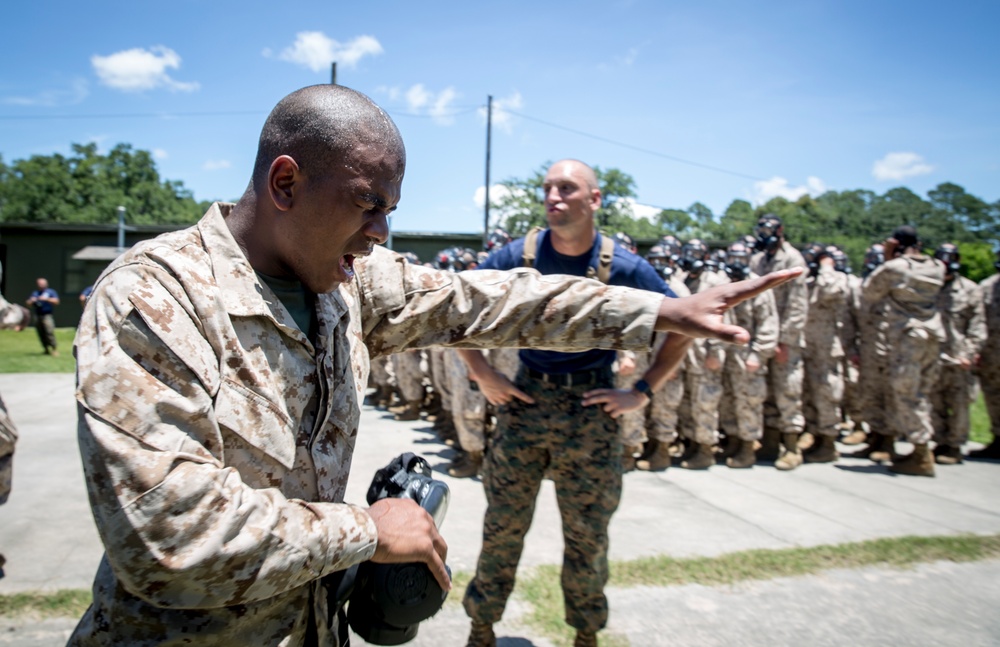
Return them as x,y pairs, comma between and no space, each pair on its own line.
642,386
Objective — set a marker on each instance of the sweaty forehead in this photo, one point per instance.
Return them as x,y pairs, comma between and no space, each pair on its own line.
573,172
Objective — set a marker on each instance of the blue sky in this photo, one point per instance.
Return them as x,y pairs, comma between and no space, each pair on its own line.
708,101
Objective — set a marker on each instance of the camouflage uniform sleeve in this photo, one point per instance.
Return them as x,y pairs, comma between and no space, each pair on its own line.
793,320
407,306
876,287
180,527
8,436
831,286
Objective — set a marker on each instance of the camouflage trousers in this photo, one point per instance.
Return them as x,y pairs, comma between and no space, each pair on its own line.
580,449
741,412
409,376
953,394
380,375
822,393
989,380
849,405
783,405
911,373
872,387
702,396
468,405
8,436
439,375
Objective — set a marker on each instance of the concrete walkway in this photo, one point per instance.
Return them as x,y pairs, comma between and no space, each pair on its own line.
49,539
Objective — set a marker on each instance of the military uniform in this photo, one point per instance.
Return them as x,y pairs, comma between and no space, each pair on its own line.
703,385
744,391
989,365
468,405
964,320
783,406
217,438
823,389
850,330
912,330
11,316
409,375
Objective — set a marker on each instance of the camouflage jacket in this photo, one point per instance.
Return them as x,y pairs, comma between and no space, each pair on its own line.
964,319
702,349
792,298
989,289
10,316
217,439
909,287
759,316
828,294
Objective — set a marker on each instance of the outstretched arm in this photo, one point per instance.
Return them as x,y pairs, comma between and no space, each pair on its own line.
701,315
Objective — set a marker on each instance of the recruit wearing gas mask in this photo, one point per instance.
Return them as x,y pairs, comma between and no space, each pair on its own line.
692,258
768,234
948,254
737,265
812,254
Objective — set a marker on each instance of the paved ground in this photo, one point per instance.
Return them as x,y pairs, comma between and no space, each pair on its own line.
49,538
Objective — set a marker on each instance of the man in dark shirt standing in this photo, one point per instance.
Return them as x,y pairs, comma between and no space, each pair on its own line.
44,300
549,425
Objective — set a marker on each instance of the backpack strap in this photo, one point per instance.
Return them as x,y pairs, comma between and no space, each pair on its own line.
603,271
531,247
604,260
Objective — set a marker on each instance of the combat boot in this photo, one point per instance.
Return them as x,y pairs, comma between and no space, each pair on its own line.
856,437
702,459
628,457
792,456
990,452
731,446
375,396
745,455
585,639
658,461
823,451
947,455
481,635
918,463
806,441
466,465
770,445
410,412
879,449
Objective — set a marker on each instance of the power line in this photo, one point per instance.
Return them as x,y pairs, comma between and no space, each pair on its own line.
607,140
220,113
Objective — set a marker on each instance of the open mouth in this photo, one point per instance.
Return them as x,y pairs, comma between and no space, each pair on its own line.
347,264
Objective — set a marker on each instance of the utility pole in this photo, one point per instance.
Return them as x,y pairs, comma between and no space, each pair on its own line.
333,73
486,209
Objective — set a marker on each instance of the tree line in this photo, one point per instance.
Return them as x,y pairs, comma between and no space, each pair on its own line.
88,186
852,219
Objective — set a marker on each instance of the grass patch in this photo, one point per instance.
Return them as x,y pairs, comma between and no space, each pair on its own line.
980,422
542,589
22,352
67,603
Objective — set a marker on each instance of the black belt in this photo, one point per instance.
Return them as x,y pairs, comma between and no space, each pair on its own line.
582,378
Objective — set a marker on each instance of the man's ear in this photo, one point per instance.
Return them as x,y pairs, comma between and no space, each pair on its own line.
595,198
282,179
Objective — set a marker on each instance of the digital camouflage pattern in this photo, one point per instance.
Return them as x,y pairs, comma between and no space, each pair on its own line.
217,439
580,449
823,388
468,405
913,332
964,319
409,377
703,385
989,365
744,392
11,316
783,406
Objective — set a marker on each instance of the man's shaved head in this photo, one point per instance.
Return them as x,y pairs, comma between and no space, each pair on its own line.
582,170
319,125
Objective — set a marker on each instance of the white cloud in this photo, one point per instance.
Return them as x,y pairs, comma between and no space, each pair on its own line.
497,193
72,95
160,154
216,165
417,97
899,166
315,50
778,187
503,119
421,101
641,210
135,70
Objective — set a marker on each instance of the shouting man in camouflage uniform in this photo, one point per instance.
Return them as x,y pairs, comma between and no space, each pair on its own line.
220,370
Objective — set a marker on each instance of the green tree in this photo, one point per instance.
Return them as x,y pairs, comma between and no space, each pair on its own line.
88,187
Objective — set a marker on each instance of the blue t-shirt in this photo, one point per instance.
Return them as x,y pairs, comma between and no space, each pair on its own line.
44,307
626,269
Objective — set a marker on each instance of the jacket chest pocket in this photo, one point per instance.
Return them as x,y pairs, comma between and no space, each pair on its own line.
243,413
